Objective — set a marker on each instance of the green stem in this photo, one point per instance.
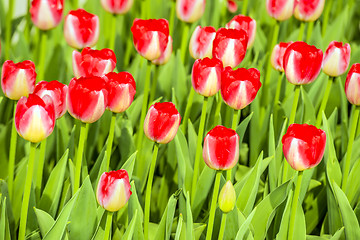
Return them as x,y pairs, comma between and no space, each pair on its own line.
184,42
353,126
110,140
340,7
294,205
244,7
28,22
42,55
128,48
301,31
79,155
172,17
217,110
233,127
213,206
112,33
153,84
148,191
324,101
326,16
27,190
108,225
11,167
295,104
75,4
40,168
188,109
277,96
222,226
309,30
8,28
198,148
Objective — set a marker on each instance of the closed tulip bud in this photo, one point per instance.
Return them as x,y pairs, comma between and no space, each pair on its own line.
221,148
121,91
150,37
91,62
18,79
308,10
201,42
336,59
206,76
352,85
190,10
232,6
46,14
239,87
241,22
117,6
81,29
230,46
302,63
227,197
87,98
113,190
277,56
162,122
280,9
165,55
35,117
303,146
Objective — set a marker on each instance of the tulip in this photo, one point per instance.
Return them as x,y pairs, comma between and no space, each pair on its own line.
113,190
87,98
239,87
91,62
308,10
117,6
227,197
190,10
165,55
280,9
201,42
352,85
277,56
244,23
18,79
302,63
81,29
336,58
230,46
232,6
46,14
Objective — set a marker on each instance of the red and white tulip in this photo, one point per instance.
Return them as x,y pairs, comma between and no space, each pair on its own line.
232,6
352,85
46,14
277,56
201,42
241,22
280,9
117,6
190,10
336,58
308,10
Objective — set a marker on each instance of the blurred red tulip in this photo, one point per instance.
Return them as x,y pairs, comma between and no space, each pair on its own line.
232,6
280,9
190,10
46,14
277,56
308,10
201,42
336,59
241,22
352,85
117,6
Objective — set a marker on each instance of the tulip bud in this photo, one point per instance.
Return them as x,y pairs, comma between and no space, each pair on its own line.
150,37
352,85
206,76
303,146
227,197
280,9
34,117
117,6
87,98
308,10
46,14
162,122
91,62
221,148
121,91
239,87
81,29
241,22
302,63
201,42
190,10
165,55
230,46
113,190
18,79
277,56
336,59
232,6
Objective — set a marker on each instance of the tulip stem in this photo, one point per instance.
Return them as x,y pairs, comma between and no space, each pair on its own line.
108,225
217,110
324,101
112,35
27,190
8,29
79,155
222,226
75,4
40,168
110,140
188,109
198,148
213,205
11,167
326,16
309,31
42,55
353,126
148,191
294,205
277,96
244,7
184,42
153,85
295,104
301,31
172,17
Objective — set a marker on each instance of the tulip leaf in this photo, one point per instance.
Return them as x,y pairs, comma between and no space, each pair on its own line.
100,229
316,212
4,222
285,219
198,230
244,228
130,229
179,228
189,218
309,115
44,220
353,189
129,164
133,206
19,184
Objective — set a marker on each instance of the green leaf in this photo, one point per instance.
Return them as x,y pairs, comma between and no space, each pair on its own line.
129,164
4,222
189,218
309,115
44,220
133,206
179,228
244,228
284,226
130,229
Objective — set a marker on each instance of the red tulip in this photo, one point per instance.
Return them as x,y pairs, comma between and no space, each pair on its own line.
46,14
35,117
113,190
87,98
232,6
277,56
92,62
121,91
162,122
221,148
206,76
302,63
239,87
280,9
150,37
336,58
201,42
18,79
190,10
303,146
165,55
241,22
117,6
230,46
308,10
81,29
352,85
57,91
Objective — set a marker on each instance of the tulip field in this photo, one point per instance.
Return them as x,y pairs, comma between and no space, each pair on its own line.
180,119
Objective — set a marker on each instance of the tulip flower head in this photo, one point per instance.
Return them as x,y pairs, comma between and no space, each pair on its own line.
280,9
239,87
303,146
18,79
308,10
336,58
201,42
232,6
221,148
277,56
46,14
244,23
190,10
117,6
113,190
165,55
162,122
227,197
91,62
352,85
